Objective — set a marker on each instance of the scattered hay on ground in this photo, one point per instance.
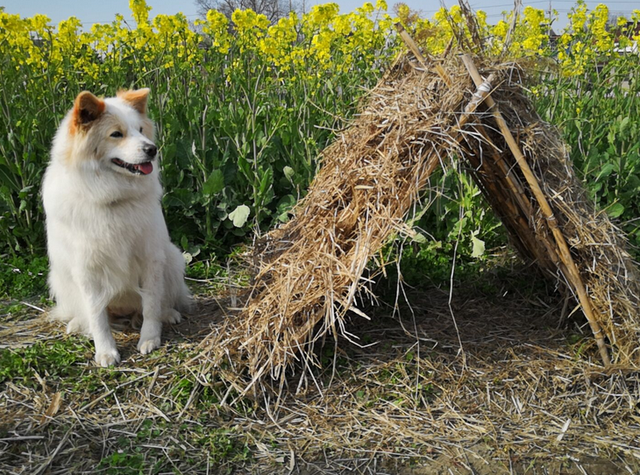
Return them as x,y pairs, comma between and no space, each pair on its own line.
522,395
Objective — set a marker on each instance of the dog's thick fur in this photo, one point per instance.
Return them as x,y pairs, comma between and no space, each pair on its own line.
108,244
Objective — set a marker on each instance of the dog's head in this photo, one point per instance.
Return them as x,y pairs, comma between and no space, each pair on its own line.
111,134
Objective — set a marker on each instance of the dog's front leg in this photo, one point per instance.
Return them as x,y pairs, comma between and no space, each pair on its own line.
106,351
95,305
152,291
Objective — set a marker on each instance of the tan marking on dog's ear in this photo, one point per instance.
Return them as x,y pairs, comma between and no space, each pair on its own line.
87,108
136,99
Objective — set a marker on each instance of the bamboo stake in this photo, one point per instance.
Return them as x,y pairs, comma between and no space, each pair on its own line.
416,51
572,274
512,181
483,90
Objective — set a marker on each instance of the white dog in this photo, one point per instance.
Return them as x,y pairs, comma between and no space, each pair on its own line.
108,244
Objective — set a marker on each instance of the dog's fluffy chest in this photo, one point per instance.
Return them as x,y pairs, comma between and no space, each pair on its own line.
112,241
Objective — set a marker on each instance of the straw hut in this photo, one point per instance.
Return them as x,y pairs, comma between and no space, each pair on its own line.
310,272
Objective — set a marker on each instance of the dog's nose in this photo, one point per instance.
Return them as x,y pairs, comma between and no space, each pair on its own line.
150,150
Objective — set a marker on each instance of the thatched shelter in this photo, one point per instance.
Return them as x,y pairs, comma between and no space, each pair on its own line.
311,271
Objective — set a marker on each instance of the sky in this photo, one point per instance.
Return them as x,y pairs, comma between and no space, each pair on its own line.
104,11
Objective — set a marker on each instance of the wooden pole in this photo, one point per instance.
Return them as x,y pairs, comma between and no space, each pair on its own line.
572,274
416,52
567,265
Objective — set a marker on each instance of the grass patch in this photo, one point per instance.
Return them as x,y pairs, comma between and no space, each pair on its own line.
58,360
22,278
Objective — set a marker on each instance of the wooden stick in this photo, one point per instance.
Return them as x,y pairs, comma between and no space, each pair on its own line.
416,51
572,274
434,160
481,93
521,221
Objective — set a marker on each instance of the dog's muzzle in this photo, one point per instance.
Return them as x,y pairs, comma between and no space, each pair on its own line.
143,168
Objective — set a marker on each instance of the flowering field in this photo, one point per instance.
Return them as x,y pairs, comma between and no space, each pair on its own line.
243,107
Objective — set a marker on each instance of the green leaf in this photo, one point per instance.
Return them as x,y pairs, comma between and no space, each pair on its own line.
419,238
266,180
284,206
25,191
239,215
605,171
624,125
615,210
478,247
214,184
289,173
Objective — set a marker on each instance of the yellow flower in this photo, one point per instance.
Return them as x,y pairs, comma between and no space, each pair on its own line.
140,11
500,29
578,16
217,28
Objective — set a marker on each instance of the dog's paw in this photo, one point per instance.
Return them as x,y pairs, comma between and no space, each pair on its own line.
108,358
172,316
147,346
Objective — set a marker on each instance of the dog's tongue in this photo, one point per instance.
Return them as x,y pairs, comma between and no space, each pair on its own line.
145,168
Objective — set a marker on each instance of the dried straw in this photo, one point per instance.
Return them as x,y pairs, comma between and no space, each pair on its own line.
310,271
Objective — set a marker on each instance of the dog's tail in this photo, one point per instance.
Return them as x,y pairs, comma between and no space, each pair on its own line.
184,302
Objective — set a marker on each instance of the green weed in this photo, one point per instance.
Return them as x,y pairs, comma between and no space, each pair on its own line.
225,447
54,360
124,462
23,277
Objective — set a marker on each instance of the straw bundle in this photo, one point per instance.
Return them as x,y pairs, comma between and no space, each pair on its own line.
310,272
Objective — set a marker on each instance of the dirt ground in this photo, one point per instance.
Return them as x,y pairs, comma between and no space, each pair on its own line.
484,380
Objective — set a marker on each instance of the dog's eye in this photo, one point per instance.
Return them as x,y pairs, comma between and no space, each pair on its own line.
140,129
117,134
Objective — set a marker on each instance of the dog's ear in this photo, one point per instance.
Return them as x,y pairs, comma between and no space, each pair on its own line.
136,99
86,109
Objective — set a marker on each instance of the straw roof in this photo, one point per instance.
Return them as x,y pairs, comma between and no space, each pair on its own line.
310,273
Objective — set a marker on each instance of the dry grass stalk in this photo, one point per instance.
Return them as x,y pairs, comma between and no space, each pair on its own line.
311,270
408,402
